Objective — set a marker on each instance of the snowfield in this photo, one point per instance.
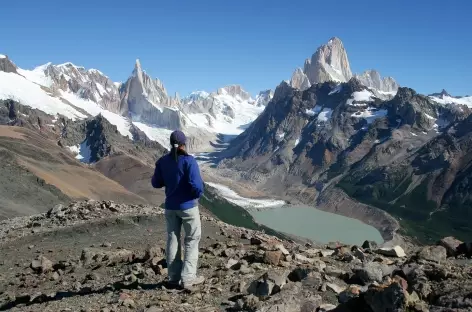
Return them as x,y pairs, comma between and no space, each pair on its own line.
370,114
467,100
360,96
16,87
159,135
244,202
245,112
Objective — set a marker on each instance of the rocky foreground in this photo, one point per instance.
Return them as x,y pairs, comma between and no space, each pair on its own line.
101,256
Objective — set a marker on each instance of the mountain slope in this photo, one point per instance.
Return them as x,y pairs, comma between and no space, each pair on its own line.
37,174
304,143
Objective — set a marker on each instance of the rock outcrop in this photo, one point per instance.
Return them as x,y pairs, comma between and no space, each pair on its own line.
6,65
328,63
145,99
264,97
371,78
299,80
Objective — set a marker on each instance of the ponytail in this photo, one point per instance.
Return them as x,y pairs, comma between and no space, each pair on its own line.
176,152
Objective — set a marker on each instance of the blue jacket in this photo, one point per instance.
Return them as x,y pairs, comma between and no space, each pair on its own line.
181,179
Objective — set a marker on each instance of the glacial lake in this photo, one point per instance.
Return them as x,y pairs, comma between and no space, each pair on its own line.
317,225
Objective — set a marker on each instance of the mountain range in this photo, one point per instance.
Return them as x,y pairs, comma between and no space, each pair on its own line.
327,136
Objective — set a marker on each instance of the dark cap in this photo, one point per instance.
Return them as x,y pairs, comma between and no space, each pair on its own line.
178,137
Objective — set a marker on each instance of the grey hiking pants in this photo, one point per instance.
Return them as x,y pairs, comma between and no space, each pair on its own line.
185,270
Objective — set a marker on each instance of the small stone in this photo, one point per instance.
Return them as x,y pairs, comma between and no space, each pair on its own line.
41,265
268,284
326,307
303,259
395,251
255,241
351,292
251,302
228,252
106,244
129,303
312,252
401,281
30,247
326,252
232,264
55,210
152,252
336,288
358,253
299,274
369,245
150,272
244,269
238,287
335,272
55,276
272,257
282,249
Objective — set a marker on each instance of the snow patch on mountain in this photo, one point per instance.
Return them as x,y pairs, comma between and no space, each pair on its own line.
37,75
227,113
94,109
370,114
447,99
325,115
360,96
18,88
154,133
244,202
312,112
82,151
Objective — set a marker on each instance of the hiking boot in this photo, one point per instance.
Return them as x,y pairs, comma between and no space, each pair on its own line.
173,284
196,281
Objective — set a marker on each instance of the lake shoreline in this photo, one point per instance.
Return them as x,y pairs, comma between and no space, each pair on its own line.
314,230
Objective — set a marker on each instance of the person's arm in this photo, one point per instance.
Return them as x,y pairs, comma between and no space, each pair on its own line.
157,181
195,178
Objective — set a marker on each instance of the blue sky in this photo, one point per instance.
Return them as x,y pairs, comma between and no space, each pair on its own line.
203,45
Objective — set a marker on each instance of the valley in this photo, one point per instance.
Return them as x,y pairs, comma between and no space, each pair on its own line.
357,145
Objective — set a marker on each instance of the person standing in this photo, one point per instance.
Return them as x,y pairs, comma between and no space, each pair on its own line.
179,173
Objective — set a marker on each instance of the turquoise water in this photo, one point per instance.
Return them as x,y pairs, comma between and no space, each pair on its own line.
317,225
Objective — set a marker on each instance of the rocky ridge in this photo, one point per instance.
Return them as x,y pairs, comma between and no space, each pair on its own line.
245,270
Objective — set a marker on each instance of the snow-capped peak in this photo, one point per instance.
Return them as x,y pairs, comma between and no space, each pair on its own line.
2,56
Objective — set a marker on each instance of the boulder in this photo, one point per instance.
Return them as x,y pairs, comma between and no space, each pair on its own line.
433,253
451,244
369,273
390,298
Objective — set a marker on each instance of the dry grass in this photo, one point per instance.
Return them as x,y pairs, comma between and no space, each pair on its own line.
48,161
11,132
